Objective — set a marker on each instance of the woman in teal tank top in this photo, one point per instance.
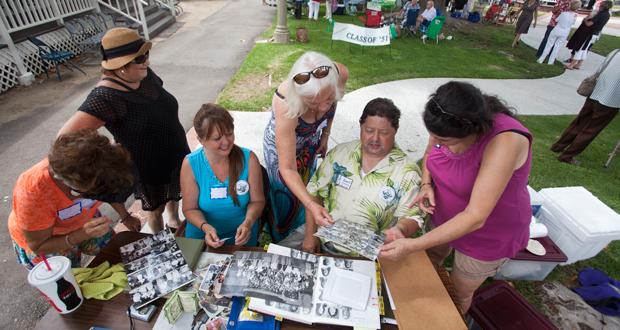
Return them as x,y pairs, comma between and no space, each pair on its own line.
221,184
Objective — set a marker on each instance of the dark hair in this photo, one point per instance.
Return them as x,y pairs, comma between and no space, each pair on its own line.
458,109
87,159
381,107
207,119
605,5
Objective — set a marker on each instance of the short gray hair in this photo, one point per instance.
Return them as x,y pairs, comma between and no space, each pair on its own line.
308,62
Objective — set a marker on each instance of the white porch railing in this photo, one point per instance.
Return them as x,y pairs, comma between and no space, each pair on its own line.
18,15
131,9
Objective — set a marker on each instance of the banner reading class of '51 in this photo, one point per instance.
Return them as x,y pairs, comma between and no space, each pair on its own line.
360,35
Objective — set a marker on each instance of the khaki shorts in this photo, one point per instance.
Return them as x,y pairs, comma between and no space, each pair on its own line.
466,266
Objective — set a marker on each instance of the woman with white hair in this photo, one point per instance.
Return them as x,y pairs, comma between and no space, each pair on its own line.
303,108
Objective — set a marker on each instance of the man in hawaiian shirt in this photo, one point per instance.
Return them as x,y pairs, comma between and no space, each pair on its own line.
369,181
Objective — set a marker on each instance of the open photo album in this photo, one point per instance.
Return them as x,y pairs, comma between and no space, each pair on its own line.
342,291
155,267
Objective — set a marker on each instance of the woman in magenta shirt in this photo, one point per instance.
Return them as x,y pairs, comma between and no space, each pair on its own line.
474,185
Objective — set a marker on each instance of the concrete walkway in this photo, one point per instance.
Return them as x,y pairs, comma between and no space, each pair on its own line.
547,96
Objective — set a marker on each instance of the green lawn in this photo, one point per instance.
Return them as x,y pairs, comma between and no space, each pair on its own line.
476,51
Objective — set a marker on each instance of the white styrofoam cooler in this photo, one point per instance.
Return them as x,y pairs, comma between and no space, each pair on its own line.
578,222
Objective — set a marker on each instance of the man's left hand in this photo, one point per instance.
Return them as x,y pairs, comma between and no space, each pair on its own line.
393,234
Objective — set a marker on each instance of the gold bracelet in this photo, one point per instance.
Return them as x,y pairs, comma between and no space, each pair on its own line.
71,245
425,183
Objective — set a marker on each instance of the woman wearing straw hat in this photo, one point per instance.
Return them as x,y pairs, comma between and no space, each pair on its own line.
132,104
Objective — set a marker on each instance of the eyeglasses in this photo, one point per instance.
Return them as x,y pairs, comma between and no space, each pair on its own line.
453,119
140,59
304,77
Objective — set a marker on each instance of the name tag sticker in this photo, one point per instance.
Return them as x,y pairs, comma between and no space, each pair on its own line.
344,182
219,193
70,212
87,203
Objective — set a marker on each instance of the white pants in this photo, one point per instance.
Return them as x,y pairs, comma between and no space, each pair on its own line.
328,9
313,12
556,39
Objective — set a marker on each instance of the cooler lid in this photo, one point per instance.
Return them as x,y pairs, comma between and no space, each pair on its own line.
554,253
499,306
583,210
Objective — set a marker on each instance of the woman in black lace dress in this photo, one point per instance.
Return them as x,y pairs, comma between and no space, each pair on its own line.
132,104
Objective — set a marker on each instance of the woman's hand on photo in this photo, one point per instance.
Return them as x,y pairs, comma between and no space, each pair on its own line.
320,215
211,236
97,227
243,234
425,199
397,249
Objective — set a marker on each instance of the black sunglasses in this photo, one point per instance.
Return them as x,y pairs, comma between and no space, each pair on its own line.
320,72
140,59
453,119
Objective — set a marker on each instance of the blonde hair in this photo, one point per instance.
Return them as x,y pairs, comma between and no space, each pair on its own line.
296,92
575,4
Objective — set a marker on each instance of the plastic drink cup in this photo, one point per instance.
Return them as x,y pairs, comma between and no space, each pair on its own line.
57,285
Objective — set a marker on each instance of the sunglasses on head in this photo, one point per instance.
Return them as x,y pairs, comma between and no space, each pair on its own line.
140,59
304,77
453,119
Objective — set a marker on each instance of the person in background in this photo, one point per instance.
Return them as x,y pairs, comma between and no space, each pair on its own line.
313,9
474,185
222,184
427,15
54,211
131,102
560,7
583,38
370,181
597,112
527,14
560,32
303,109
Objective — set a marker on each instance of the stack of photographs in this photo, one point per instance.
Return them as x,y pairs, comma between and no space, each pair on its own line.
155,267
353,236
211,269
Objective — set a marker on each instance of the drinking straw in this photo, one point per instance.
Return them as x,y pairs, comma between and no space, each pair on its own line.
45,261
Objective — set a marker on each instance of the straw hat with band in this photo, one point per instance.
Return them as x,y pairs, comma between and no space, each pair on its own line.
119,46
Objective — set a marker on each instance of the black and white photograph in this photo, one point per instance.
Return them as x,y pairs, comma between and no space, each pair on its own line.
151,260
161,286
271,277
353,236
154,244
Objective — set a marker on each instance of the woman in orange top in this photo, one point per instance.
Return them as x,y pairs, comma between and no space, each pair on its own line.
54,207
